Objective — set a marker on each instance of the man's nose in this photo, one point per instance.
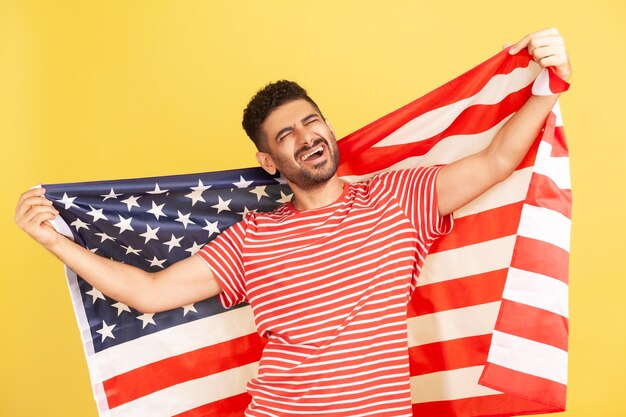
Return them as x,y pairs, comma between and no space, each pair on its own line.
305,136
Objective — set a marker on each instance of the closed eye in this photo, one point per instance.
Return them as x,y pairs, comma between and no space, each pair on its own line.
308,122
284,136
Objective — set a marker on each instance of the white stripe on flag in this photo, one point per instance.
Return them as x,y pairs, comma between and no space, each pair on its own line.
95,373
536,290
528,356
555,168
453,324
188,395
437,120
449,385
468,260
546,225
447,150
175,341
557,112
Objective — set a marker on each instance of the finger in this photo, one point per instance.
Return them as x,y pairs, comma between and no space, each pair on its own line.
551,61
32,201
505,45
28,217
43,217
548,51
545,41
523,43
31,214
30,193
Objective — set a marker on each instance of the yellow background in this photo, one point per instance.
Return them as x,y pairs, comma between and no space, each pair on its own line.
118,89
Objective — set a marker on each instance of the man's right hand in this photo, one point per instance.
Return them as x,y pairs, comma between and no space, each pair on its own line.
33,214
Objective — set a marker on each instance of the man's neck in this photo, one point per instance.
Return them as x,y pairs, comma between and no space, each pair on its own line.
320,196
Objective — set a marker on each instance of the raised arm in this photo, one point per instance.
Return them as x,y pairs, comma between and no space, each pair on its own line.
460,182
183,283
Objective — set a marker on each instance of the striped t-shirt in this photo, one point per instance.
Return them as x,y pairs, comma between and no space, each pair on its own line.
329,288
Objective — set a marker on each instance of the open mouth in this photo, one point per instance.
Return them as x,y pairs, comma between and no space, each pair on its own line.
313,154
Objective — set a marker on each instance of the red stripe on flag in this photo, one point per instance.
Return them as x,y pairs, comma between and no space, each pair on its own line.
486,225
464,86
499,405
534,388
474,119
458,293
541,257
543,192
450,354
233,406
557,84
533,323
175,370
559,145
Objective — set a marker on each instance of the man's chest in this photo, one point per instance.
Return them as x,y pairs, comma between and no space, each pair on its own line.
330,270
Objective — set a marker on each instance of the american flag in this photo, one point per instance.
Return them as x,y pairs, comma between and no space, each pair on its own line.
487,325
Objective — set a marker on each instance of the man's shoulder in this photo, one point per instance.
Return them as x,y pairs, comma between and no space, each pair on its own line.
276,215
393,174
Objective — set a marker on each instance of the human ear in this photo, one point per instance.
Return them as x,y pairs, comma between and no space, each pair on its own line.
266,162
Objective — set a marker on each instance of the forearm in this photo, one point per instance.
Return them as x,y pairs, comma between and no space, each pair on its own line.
185,282
512,142
125,283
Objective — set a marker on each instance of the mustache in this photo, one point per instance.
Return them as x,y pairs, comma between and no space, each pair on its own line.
316,143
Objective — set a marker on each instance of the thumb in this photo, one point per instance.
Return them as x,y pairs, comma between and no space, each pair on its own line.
520,45
505,45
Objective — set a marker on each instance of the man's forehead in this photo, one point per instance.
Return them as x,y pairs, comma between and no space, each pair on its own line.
289,113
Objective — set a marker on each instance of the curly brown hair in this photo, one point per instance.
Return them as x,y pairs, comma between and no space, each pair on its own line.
264,102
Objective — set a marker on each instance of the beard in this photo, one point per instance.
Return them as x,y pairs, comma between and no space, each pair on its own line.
305,176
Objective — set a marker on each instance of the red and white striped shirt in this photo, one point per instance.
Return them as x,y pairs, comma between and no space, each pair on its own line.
329,288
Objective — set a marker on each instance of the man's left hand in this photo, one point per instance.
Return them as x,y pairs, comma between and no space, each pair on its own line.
547,48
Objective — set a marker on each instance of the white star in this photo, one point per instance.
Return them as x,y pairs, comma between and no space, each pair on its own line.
245,211
68,201
111,194
131,202
242,183
150,233
130,249
156,262
78,224
157,210
146,319
211,227
174,242
196,194
96,214
121,307
184,219
188,308
124,224
94,250
222,205
106,331
260,192
104,236
157,190
95,294
284,198
194,249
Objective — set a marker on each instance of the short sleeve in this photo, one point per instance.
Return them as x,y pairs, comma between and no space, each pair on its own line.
415,191
224,256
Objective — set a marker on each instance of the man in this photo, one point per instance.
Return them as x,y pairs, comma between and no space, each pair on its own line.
329,274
